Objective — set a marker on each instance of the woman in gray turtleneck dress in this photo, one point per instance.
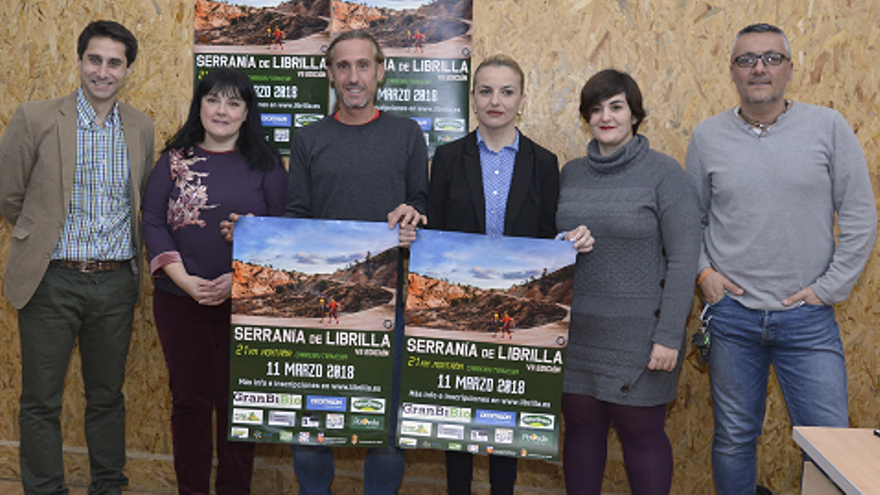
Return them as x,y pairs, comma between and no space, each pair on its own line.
632,293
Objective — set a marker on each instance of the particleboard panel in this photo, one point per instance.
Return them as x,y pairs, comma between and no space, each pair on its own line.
39,38
678,52
676,49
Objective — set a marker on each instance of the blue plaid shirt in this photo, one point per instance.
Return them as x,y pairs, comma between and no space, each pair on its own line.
497,174
98,224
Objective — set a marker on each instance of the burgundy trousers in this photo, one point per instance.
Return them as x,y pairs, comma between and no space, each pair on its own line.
195,340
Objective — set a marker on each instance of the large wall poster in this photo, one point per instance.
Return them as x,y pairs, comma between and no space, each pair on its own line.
486,335
427,45
280,45
312,331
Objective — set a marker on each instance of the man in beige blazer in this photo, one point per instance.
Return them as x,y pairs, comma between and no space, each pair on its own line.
73,170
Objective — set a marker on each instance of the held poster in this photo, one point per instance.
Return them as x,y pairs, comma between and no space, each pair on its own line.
312,331
427,47
486,337
280,45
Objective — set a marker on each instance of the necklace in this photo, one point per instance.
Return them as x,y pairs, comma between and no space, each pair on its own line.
762,126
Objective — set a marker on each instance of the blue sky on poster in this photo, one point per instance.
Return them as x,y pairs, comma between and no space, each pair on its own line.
486,262
309,246
390,4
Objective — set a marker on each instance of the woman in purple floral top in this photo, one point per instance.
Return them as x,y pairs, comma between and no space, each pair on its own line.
218,163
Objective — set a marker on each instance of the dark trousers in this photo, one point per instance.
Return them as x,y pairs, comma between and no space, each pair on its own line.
195,340
97,310
460,471
647,453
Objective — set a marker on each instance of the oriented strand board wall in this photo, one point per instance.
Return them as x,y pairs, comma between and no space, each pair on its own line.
676,49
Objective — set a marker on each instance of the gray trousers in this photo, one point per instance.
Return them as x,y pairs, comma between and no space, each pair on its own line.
97,310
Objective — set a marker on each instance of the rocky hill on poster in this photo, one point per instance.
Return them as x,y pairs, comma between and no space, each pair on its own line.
265,291
439,20
434,303
219,23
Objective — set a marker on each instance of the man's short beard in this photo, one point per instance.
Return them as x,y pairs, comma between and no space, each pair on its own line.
769,99
342,101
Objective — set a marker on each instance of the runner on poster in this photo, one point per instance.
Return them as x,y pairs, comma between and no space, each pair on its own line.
486,335
312,331
427,47
279,47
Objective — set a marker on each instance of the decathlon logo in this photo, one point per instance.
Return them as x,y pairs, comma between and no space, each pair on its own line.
276,119
324,403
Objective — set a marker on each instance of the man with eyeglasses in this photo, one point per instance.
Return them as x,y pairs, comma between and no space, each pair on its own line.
772,174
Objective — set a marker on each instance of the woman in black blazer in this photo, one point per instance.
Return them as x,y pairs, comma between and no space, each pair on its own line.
493,181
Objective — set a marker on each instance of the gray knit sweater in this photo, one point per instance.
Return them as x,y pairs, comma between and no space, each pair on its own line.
636,287
345,172
770,202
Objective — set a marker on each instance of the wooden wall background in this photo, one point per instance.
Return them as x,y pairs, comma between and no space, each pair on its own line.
677,50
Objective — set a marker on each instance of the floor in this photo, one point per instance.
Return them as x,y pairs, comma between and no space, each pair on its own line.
9,487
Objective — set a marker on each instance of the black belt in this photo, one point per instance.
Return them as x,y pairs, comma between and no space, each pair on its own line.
94,266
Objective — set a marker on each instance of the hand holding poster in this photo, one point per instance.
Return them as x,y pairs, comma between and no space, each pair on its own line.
486,333
312,331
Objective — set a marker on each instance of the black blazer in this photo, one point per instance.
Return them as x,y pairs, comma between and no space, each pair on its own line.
455,194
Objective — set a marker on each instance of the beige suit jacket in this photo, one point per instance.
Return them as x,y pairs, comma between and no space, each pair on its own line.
37,163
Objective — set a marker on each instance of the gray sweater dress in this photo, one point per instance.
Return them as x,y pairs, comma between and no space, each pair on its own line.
637,285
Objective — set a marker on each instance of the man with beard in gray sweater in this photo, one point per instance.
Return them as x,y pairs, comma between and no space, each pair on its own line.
358,164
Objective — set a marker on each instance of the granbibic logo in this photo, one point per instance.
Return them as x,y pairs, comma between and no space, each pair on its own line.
368,405
434,411
247,416
261,399
542,421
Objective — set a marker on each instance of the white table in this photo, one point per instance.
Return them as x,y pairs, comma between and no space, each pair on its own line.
850,457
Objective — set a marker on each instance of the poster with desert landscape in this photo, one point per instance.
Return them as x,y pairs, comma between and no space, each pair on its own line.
312,331
484,351
427,47
280,45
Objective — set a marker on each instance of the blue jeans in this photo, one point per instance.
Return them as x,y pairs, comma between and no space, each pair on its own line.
803,345
383,468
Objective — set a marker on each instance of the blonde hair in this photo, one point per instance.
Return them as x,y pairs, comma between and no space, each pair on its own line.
502,60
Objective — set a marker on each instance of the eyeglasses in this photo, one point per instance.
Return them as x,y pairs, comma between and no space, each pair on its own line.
748,60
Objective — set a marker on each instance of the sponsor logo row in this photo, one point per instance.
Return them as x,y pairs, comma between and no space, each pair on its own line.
447,124
288,120
435,412
368,405
524,449
330,421
443,124
474,434
302,437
